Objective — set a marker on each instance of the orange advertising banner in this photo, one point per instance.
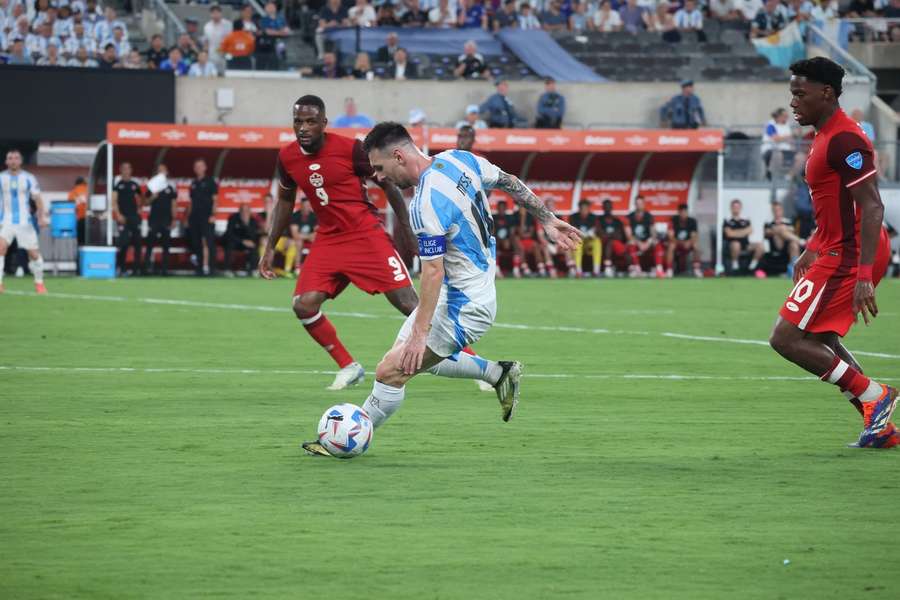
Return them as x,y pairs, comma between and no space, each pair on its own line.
487,140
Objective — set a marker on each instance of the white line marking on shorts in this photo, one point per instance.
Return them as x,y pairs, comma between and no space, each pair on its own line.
361,315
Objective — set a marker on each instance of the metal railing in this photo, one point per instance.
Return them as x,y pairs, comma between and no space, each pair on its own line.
172,25
853,66
873,29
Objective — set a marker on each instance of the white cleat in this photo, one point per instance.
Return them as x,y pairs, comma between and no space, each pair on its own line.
484,386
350,375
507,388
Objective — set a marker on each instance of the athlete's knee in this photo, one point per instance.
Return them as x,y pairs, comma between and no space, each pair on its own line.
306,306
388,370
781,341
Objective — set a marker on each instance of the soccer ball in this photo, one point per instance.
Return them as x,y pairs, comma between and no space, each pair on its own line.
345,430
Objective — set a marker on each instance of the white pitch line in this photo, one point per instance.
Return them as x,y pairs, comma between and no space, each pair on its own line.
361,315
212,371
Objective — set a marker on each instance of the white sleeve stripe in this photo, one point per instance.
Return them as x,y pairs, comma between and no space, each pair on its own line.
867,175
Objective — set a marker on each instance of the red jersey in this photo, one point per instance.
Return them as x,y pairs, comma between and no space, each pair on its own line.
334,181
841,156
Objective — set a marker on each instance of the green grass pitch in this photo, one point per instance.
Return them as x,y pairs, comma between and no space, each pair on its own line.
173,468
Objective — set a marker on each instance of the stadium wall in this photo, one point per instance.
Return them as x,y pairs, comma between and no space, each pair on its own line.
267,102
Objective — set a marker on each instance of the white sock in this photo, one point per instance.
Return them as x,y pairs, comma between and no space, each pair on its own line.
872,393
848,395
384,401
467,366
754,264
37,269
734,265
2,267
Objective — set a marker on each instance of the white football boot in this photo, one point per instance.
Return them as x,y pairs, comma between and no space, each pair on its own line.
350,375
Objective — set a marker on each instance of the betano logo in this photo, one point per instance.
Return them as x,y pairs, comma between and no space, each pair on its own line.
599,140
521,140
212,136
442,138
133,134
673,140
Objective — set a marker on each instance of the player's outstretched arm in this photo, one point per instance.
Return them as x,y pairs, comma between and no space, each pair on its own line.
566,236
403,234
865,194
281,215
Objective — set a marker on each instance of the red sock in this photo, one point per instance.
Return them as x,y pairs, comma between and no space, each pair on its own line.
517,260
469,351
846,377
320,329
660,255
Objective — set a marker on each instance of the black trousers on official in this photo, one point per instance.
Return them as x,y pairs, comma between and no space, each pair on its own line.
201,230
129,235
159,233
234,243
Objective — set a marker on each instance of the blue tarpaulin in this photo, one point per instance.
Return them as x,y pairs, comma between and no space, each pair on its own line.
545,57
416,40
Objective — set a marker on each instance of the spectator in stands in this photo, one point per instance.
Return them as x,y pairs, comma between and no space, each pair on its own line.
736,233
107,59
362,67
861,9
385,53
248,19
499,108
329,69
237,48
352,117
472,14
362,14
413,15
203,68
214,31
723,10
52,58
133,60
606,19
551,107
63,27
17,54
527,19
799,10
201,218
189,49
242,235
690,19
192,27
156,53
465,137
858,116
782,238
473,118
507,16
400,68
175,63
683,111
748,9
442,16
161,222
387,17
332,15
662,21
777,138
641,241
77,40
81,59
103,30
770,19
92,13
37,43
578,20
417,117
127,198
824,10
470,64
634,18
119,41
270,45
553,19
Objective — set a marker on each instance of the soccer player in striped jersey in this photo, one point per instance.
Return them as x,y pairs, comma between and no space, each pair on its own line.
17,188
458,301
846,257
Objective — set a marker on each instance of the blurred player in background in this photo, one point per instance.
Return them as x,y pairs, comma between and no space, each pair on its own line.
465,138
351,243
612,240
642,244
683,242
504,233
845,258
585,222
17,189
127,198
162,220
459,301
782,237
736,232
303,231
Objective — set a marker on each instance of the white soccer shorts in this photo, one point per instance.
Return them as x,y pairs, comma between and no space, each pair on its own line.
25,234
454,326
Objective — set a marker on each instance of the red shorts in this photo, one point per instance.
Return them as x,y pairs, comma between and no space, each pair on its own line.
822,301
371,263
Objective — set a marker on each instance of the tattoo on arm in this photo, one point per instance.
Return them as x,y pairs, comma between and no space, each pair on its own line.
523,196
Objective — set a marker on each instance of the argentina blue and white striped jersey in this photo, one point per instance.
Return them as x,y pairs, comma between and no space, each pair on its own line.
451,218
15,192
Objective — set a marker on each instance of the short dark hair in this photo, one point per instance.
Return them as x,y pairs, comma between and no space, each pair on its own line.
584,203
386,134
465,128
311,100
682,206
738,200
16,150
821,70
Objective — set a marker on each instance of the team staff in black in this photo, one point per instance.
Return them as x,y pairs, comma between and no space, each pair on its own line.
242,235
303,230
162,220
127,197
201,219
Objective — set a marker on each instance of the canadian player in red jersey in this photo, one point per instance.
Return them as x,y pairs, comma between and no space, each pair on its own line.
845,259
351,243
